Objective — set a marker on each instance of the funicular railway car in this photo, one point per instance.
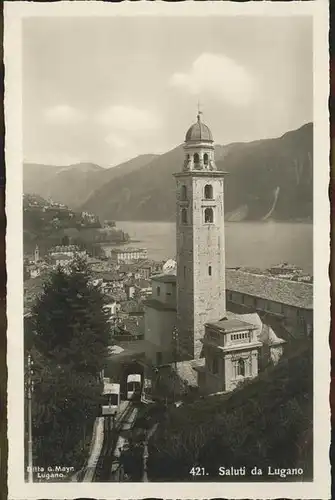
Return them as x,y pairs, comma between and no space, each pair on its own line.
134,386
110,398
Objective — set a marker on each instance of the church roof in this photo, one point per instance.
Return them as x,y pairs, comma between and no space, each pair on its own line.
198,132
288,292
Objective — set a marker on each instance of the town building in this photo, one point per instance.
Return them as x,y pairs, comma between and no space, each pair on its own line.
62,260
112,308
160,313
130,290
125,255
34,271
67,250
143,286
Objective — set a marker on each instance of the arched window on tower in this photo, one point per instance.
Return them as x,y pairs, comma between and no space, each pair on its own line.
209,215
183,216
196,158
205,159
208,192
183,193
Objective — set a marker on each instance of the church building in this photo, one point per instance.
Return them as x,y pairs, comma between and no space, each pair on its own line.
186,317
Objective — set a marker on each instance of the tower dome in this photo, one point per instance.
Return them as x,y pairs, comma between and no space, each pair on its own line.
199,132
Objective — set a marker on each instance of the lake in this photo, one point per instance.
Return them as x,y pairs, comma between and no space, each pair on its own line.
253,244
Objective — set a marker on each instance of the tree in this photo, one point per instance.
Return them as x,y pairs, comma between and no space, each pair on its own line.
266,422
64,406
68,320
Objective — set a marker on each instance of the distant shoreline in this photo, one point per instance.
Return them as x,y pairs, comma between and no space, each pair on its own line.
270,221
119,244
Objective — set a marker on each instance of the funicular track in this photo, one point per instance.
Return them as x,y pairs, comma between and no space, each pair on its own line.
103,469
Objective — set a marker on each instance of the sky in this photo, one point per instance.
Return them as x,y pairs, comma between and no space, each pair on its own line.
104,90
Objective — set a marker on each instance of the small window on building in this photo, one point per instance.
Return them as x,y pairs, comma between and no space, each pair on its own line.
206,159
209,216
183,193
210,270
208,191
184,271
240,368
196,158
158,291
184,216
248,369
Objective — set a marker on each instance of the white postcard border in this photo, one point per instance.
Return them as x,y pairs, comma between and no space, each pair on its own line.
18,489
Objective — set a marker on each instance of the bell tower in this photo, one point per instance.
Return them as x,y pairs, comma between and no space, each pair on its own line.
36,254
200,241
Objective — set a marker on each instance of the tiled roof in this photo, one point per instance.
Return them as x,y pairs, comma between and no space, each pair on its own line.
108,276
165,278
232,325
291,293
127,268
156,304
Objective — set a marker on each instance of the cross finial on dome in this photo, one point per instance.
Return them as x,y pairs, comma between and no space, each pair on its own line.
199,112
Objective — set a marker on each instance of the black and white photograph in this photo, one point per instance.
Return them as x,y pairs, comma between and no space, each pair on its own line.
168,250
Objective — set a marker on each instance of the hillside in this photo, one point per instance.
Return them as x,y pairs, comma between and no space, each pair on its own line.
48,224
73,184
267,422
270,178
148,194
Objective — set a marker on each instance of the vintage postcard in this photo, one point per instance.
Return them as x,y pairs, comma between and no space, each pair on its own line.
168,250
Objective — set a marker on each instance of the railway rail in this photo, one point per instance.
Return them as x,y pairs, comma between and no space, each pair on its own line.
106,463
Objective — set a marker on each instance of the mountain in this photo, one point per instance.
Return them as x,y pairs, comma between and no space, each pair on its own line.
73,184
267,179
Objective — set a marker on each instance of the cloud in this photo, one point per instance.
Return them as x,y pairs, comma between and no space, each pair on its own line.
116,141
128,119
63,114
219,76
